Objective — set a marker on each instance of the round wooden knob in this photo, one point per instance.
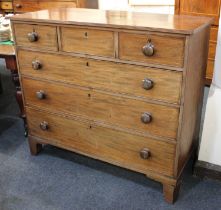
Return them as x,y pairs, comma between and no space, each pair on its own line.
36,65
33,36
18,6
147,84
145,153
146,117
148,49
40,94
44,126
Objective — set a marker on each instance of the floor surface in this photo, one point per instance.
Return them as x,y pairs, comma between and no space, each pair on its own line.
61,180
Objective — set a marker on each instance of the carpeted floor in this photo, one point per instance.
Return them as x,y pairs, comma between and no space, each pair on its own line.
61,180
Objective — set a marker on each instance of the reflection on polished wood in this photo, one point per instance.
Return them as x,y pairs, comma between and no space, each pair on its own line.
117,19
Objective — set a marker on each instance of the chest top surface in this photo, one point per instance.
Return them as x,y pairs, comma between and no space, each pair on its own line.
180,24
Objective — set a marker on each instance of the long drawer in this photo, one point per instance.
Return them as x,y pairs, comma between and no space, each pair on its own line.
100,106
148,83
113,146
151,48
36,36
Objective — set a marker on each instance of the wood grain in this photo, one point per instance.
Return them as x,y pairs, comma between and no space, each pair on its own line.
204,8
30,6
210,68
47,36
88,41
114,109
167,50
209,8
109,76
7,5
108,145
117,19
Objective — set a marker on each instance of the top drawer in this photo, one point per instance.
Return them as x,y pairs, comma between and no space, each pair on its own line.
87,41
34,5
36,36
152,48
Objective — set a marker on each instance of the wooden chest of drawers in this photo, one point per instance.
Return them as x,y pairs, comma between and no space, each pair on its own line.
109,85
210,8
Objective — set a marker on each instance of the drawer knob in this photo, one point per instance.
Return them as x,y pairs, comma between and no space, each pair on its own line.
146,117
18,6
33,36
148,49
41,94
145,153
147,84
44,126
36,65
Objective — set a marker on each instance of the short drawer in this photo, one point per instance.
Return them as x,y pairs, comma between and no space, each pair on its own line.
149,83
87,41
36,36
210,69
152,48
212,50
30,6
213,34
6,5
109,145
106,108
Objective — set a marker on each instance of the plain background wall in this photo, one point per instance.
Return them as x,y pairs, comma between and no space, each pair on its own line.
151,6
210,148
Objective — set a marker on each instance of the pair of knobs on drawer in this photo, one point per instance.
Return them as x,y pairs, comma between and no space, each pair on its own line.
144,153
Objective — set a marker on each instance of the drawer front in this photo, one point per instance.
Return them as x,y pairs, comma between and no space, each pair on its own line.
210,68
30,6
87,41
6,5
213,34
109,145
36,36
116,77
163,50
212,50
105,108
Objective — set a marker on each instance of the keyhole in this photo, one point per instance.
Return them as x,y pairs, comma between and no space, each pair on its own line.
89,95
86,34
87,64
90,126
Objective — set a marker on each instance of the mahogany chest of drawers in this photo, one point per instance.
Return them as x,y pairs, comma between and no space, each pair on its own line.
114,86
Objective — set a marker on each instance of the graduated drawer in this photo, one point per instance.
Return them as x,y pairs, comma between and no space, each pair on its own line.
87,41
104,75
29,6
102,143
36,36
106,108
152,48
